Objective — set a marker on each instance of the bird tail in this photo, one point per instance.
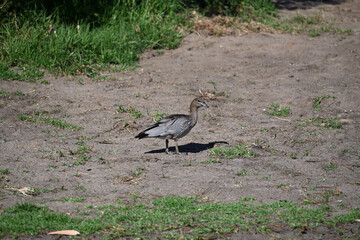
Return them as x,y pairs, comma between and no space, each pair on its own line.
141,135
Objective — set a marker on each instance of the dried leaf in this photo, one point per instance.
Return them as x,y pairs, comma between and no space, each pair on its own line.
65,232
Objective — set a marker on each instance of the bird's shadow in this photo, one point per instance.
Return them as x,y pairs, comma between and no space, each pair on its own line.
190,147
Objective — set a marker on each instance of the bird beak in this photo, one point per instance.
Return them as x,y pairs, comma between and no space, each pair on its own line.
205,105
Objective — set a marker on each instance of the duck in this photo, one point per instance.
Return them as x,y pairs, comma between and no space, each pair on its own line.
175,126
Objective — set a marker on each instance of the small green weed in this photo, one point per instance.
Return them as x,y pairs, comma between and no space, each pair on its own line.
276,110
82,153
69,199
293,155
314,33
213,84
331,167
242,172
130,110
39,118
4,93
61,124
327,123
211,161
239,150
159,115
317,101
5,171
82,188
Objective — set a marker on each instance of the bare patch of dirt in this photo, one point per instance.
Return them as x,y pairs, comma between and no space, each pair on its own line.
298,158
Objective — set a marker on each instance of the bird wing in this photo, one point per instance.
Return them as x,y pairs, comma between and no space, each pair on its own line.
166,127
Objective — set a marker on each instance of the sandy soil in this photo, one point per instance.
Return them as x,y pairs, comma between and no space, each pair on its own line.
246,74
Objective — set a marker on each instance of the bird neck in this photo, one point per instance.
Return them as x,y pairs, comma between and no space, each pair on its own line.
193,115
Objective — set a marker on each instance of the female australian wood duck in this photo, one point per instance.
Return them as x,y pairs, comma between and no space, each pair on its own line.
174,126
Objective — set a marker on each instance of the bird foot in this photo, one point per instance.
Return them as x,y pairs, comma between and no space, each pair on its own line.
173,153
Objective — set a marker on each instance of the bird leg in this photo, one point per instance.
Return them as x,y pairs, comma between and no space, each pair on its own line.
176,147
167,146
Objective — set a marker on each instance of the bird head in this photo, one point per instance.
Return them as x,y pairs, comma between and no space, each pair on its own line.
200,103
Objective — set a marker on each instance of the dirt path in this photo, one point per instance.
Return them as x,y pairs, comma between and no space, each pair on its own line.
297,159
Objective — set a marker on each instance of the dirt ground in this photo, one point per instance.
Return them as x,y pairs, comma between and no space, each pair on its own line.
296,160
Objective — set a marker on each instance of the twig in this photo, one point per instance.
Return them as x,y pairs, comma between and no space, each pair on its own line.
283,119
4,3
340,164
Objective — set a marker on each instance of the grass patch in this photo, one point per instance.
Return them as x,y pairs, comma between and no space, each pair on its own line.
74,37
5,171
317,101
134,113
82,153
159,115
240,150
176,217
276,110
313,25
327,123
39,118
211,160
69,199
4,93
87,36
26,73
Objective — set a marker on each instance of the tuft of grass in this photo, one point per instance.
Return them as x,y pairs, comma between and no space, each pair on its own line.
331,167
177,217
39,118
239,150
327,123
242,172
317,101
5,171
4,93
69,199
276,110
82,153
26,73
61,124
159,115
211,161
130,110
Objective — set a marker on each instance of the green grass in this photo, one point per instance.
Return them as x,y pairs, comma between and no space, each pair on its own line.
211,160
69,199
176,217
5,171
4,93
317,101
87,36
242,172
230,152
278,111
159,115
26,73
39,118
82,153
327,123
130,110
313,25
331,167
38,39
